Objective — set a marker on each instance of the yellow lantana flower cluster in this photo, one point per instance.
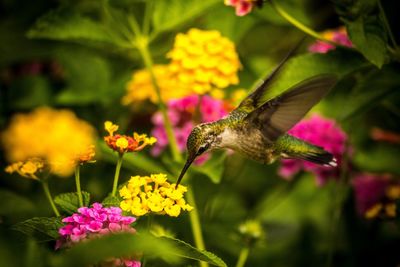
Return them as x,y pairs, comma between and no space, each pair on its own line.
140,87
28,169
145,194
201,61
57,137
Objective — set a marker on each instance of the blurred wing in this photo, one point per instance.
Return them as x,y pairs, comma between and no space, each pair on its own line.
280,114
252,101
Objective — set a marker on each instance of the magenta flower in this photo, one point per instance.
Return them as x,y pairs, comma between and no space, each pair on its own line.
92,222
322,132
338,35
376,195
184,114
242,7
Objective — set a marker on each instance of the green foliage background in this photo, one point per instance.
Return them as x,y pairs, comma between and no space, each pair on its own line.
304,225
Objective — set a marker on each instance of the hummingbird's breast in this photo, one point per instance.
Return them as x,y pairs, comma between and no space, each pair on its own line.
247,141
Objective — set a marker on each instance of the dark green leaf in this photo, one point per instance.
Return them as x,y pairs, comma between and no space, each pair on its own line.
169,14
40,228
66,24
115,246
14,204
382,158
111,201
371,90
188,251
339,62
365,28
69,202
213,168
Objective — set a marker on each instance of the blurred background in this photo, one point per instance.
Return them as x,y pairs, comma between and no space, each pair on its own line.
67,54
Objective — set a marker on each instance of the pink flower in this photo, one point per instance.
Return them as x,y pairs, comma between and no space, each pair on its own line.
184,114
322,132
91,222
242,7
338,35
376,195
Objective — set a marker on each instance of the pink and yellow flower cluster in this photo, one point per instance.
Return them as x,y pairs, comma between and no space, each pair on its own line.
153,194
96,221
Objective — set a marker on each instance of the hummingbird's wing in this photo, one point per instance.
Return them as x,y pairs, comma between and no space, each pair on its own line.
280,114
254,99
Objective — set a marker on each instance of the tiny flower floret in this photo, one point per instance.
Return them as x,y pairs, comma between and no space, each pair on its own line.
28,169
124,143
143,195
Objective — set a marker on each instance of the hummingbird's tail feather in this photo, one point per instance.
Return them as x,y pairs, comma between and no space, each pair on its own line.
291,147
322,158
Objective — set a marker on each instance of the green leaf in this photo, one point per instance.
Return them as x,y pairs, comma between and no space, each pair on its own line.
213,168
132,161
169,14
65,23
371,90
365,28
40,228
69,202
111,201
231,26
381,158
340,62
115,246
14,204
188,251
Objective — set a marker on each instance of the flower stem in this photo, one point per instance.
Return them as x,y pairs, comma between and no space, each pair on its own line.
244,253
116,176
144,51
78,185
386,23
46,190
300,25
142,44
195,223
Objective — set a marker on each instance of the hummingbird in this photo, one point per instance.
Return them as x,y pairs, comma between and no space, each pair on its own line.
257,127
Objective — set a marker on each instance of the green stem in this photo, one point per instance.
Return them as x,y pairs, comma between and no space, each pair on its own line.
244,253
142,45
300,25
195,223
78,185
116,176
147,17
386,23
46,190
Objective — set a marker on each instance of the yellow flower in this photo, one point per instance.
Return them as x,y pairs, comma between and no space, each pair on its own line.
393,192
28,169
203,60
140,87
56,136
110,127
373,211
390,210
157,195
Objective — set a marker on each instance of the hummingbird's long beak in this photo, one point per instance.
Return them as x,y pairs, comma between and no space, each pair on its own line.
189,161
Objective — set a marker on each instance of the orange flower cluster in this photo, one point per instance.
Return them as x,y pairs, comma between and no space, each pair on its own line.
124,143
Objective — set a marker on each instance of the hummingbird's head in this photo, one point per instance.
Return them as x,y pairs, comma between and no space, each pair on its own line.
201,139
